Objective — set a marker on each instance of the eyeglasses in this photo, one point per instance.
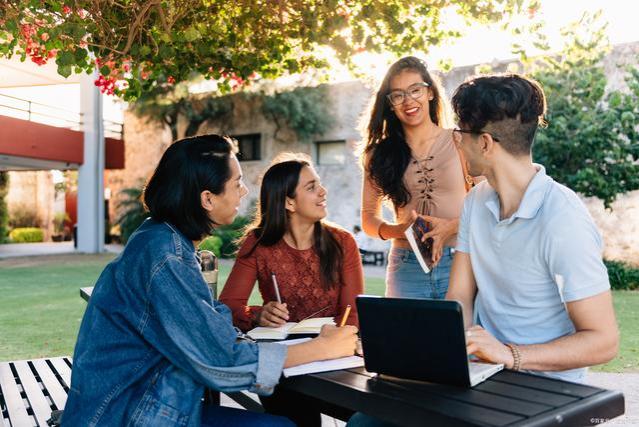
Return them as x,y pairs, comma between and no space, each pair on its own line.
414,91
457,134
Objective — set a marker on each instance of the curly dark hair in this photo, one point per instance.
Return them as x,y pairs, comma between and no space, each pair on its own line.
510,106
386,153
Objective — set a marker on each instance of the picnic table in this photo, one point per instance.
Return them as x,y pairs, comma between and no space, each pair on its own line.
506,399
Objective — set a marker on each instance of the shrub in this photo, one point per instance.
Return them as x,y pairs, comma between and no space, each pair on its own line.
132,211
229,234
59,221
4,212
213,244
24,216
622,275
26,235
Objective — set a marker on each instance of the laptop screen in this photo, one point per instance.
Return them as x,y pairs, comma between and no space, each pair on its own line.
419,339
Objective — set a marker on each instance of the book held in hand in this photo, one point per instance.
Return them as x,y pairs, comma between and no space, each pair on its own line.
306,326
423,250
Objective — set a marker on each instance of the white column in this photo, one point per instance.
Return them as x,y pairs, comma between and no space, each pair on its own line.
91,173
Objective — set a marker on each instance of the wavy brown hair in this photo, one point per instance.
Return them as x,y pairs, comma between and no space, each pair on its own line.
386,153
272,220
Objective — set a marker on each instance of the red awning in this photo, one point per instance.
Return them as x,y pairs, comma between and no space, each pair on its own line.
24,140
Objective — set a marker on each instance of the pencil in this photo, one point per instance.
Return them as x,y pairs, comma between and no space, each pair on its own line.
277,289
346,313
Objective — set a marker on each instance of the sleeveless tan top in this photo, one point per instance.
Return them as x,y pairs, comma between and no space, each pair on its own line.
435,183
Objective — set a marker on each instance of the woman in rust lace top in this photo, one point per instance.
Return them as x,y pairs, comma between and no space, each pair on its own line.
317,265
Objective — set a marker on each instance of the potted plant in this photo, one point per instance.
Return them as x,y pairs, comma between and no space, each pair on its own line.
58,226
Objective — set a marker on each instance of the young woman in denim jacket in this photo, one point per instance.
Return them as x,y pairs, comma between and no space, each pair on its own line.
411,161
152,337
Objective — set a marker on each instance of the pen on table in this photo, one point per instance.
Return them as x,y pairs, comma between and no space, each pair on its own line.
277,289
346,313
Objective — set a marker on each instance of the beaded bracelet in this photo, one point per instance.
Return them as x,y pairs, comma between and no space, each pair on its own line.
514,349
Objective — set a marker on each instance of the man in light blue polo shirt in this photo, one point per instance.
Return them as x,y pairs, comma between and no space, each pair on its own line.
528,268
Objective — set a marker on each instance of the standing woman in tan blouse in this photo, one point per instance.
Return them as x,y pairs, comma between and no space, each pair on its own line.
411,161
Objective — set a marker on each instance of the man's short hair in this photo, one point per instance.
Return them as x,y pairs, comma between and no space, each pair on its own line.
509,106
187,168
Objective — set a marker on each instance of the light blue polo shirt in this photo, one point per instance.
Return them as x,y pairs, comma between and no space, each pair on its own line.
528,265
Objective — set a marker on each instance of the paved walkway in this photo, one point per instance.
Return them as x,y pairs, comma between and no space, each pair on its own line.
11,250
628,384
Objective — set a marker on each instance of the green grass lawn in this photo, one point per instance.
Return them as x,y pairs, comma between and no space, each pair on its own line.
41,307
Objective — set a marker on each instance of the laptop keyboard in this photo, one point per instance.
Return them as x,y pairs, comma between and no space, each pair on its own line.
476,368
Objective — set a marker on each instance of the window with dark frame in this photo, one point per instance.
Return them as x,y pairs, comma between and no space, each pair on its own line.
250,147
330,152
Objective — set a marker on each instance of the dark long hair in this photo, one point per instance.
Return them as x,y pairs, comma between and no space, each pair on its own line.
272,221
386,153
188,167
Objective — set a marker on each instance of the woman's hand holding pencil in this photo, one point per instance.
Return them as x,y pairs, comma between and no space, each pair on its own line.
337,341
273,314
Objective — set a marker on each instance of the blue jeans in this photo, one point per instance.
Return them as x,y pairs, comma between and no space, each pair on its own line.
405,278
220,416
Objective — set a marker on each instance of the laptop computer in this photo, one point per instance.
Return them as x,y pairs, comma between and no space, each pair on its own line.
418,339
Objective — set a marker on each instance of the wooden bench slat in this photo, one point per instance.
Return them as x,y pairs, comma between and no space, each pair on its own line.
51,383
12,398
245,401
35,395
63,369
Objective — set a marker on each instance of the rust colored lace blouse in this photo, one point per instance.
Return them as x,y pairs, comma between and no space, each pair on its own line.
298,277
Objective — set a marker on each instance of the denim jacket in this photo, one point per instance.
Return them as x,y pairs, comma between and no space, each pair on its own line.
152,339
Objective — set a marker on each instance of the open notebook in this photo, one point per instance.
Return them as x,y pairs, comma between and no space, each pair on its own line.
307,326
321,365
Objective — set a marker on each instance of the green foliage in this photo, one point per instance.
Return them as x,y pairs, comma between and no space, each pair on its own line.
213,244
132,212
230,234
591,143
23,215
4,210
166,105
303,109
59,220
26,235
622,276
141,44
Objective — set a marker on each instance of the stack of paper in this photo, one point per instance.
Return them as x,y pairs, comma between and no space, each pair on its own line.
322,365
